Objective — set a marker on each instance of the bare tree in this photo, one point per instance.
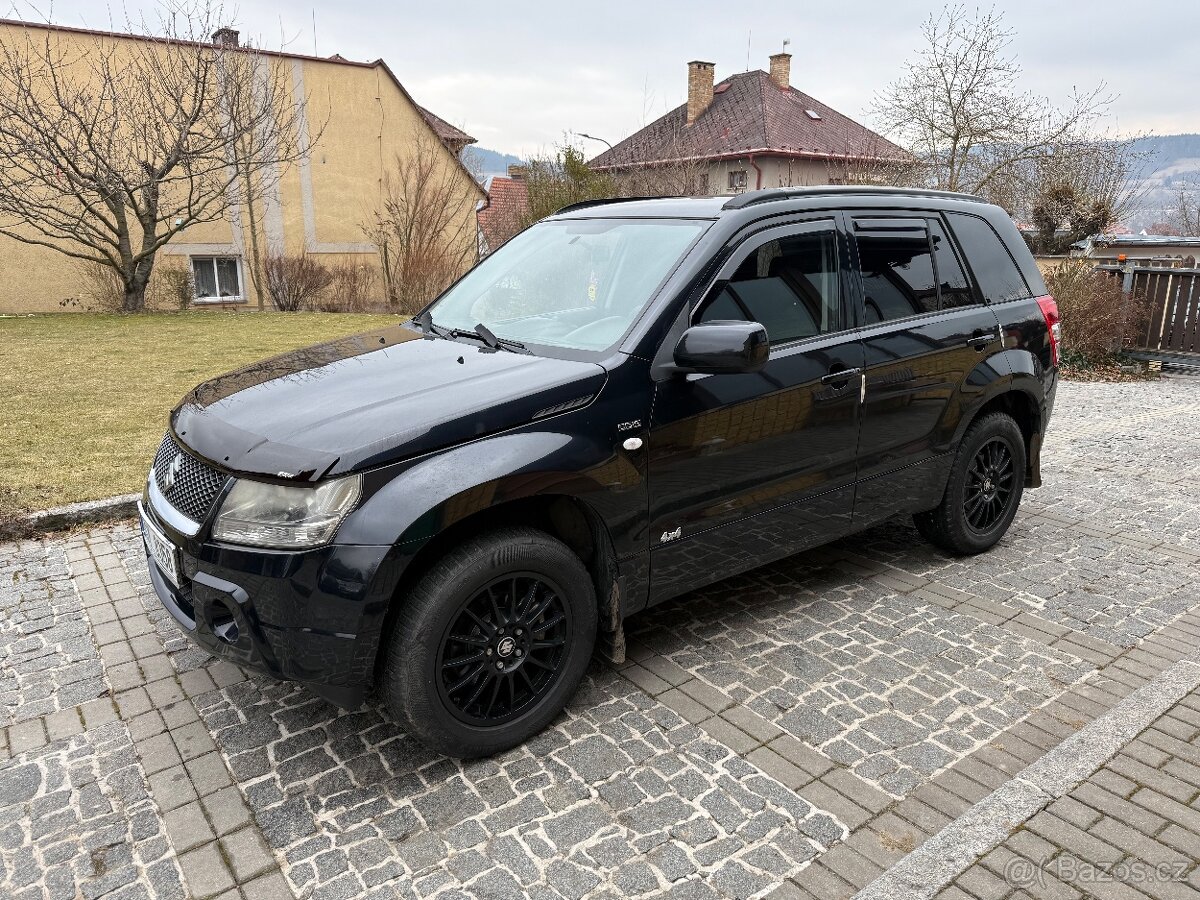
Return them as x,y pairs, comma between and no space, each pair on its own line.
111,146
960,111
873,161
676,170
1186,214
424,225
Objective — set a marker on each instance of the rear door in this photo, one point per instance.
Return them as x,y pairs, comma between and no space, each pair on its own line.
928,339
747,468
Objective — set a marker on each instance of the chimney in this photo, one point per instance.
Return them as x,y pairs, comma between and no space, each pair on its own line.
700,89
225,37
517,172
781,70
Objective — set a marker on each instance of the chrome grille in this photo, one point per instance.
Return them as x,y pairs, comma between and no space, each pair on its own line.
195,485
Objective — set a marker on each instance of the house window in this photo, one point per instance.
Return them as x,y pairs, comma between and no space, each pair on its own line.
737,180
217,278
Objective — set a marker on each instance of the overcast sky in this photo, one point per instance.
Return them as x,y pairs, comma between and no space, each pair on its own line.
519,75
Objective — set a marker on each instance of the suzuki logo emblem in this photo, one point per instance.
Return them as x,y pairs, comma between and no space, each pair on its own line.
172,472
672,535
506,647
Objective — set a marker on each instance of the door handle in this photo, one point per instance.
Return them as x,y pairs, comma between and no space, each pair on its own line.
840,375
980,341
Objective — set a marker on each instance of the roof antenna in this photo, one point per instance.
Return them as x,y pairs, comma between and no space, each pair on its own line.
314,18
749,34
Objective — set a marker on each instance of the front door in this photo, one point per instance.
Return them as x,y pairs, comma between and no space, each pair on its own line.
928,339
748,468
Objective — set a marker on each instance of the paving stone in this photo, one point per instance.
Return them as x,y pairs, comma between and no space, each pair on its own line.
172,788
646,680
187,827
692,710
730,735
226,810
205,871
706,695
247,853
27,736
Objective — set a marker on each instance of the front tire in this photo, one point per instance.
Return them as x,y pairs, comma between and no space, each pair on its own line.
492,643
984,491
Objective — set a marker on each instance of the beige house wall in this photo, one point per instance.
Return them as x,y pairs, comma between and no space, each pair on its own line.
359,120
776,172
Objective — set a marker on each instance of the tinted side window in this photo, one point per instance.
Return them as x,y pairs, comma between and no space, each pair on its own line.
997,274
955,289
897,275
789,285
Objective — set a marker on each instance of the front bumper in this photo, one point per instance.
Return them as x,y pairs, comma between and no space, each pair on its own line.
314,617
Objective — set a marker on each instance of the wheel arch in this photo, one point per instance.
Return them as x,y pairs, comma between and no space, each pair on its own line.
564,517
1023,406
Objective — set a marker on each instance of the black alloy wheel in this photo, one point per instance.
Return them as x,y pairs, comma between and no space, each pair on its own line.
491,642
990,485
504,650
983,489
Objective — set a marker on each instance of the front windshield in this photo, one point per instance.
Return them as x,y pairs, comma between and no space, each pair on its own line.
575,283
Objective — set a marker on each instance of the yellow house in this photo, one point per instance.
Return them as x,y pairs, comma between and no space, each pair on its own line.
365,120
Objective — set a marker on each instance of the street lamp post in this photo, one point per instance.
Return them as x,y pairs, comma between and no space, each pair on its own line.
590,138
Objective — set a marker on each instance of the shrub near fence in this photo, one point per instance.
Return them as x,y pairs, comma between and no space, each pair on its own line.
1098,317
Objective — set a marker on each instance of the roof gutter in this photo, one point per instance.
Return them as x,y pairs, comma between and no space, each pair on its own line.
756,151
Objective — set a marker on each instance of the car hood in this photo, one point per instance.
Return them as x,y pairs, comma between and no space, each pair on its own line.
370,399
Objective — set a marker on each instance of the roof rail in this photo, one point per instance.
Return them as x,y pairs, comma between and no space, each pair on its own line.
584,204
750,198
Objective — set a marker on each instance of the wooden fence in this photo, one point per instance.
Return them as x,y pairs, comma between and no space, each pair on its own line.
1173,298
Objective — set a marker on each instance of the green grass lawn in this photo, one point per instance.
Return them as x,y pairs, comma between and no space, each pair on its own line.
84,398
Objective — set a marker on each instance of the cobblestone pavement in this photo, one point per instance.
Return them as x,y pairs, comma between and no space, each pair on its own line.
808,729
1133,822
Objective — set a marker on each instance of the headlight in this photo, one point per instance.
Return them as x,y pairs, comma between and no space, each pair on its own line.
274,515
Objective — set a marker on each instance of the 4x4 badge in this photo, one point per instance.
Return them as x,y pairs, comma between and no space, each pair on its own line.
672,535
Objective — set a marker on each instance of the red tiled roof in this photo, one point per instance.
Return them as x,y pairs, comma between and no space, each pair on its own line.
447,132
749,113
508,202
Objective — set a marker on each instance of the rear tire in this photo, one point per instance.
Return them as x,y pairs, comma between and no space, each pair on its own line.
491,643
984,490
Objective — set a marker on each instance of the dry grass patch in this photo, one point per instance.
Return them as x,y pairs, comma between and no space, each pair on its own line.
84,398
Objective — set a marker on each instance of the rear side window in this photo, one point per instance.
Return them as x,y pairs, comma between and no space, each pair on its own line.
956,290
994,268
897,275
789,286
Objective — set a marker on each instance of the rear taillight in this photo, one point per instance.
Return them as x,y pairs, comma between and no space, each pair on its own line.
1053,324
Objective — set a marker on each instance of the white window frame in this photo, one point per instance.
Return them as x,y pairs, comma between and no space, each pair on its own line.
211,259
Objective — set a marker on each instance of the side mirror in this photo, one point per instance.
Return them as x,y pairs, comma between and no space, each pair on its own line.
723,348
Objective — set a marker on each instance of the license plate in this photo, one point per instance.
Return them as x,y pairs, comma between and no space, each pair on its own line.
161,551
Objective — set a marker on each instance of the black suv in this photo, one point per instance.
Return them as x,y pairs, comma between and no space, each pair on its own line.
629,400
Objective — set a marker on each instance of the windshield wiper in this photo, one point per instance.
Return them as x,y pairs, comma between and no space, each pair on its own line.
425,320
480,333
498,343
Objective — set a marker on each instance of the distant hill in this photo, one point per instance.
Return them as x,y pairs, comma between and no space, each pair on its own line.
492,162
1172,161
